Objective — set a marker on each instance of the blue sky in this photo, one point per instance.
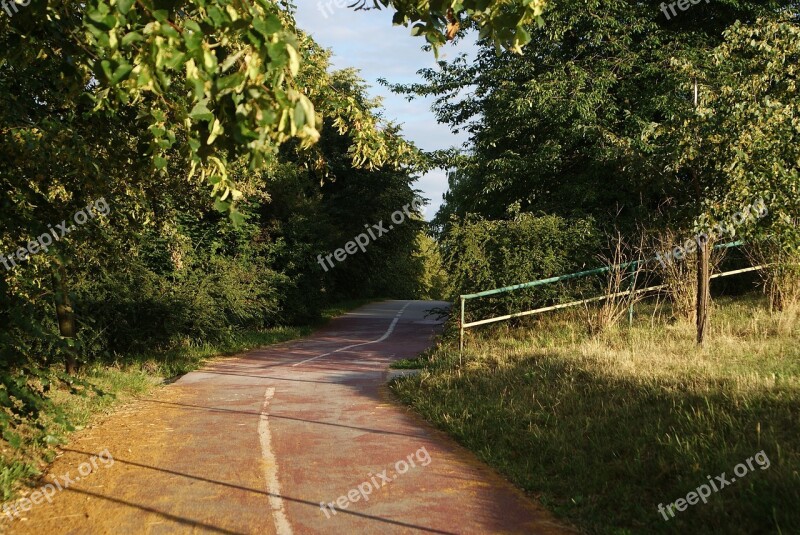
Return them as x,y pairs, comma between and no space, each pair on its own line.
367,41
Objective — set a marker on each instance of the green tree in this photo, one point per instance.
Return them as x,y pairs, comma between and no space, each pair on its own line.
596,119
140,104
748,141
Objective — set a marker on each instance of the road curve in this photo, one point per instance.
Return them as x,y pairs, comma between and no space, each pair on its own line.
256,443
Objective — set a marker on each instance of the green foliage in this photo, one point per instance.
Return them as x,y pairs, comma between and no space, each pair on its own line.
595,120
565,128
12,472
137,309
482,254
141,103
586,121
503,22
433,279
236,62
216,83
750,126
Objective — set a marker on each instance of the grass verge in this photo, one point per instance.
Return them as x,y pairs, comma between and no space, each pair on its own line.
602,429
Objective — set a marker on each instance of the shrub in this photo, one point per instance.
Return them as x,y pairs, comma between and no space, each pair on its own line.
481,255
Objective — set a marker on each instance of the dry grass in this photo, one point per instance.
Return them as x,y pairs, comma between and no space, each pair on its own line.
604,428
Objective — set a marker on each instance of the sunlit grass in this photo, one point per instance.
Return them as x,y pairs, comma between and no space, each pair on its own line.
604,428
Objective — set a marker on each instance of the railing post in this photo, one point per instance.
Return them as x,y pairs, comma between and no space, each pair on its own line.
634,267
461,332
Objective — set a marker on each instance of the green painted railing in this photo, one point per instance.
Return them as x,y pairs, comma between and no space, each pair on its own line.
632,265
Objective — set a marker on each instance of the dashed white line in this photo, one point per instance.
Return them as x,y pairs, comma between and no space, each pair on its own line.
282,525
386,335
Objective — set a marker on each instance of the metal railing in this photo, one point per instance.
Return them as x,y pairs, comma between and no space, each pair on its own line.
632,291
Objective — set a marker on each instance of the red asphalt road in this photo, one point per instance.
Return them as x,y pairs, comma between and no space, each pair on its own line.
254,444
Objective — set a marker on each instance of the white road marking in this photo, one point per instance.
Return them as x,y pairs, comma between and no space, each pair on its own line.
282,525
386,335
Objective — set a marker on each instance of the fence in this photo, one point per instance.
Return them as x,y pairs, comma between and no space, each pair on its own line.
633,291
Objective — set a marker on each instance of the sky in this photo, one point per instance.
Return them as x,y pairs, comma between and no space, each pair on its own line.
368,41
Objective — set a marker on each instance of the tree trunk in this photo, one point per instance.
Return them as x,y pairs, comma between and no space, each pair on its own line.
66,317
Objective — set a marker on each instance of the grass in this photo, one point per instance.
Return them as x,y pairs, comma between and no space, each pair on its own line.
120,381
602,429
410,364
345,306
140,374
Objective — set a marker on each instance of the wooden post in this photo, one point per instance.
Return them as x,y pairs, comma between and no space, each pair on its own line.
634,270
703,258
703,290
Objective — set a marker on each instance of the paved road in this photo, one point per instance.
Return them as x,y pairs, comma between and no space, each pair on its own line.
255,444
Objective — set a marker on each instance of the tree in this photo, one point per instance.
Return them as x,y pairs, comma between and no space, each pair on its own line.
584,121
102,101
750,135
221,79
596,118
503,22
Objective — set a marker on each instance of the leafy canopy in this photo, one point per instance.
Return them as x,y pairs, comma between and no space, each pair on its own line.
222,80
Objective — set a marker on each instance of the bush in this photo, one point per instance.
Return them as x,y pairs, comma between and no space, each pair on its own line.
481,255
139,310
